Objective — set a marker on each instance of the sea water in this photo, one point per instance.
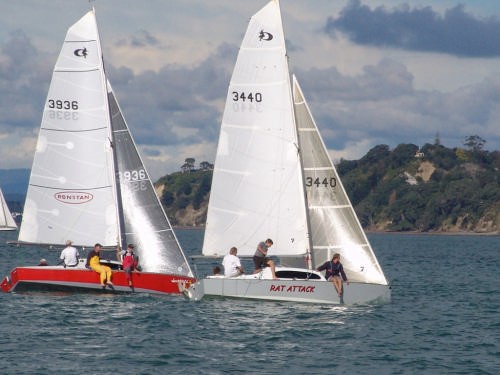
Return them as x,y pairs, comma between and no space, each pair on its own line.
444,318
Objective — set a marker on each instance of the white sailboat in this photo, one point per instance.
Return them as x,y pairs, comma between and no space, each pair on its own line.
88,183
273,178
7,221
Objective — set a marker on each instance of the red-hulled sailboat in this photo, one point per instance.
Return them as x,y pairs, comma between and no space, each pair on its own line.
88,183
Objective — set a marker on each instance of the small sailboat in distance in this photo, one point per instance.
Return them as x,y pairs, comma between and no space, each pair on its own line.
7,221
89,185
273,178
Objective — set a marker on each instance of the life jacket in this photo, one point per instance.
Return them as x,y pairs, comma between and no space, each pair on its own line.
130,261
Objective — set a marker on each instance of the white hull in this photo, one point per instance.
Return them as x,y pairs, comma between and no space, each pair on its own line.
308,291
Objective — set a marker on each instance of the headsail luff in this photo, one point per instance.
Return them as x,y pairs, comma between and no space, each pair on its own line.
253,197
72,175
335,228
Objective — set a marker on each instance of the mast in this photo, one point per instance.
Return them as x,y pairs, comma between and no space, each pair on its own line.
309,253
120,240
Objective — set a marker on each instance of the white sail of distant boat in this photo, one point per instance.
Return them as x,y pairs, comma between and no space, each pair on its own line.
7,221
88,182
273,178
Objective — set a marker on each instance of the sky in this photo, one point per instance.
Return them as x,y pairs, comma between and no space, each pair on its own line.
373,71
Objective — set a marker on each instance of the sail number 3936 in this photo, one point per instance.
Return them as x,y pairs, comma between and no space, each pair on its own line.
325,182
63,104
251,97
134,175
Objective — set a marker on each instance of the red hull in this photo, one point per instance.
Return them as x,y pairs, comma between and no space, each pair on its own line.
68,278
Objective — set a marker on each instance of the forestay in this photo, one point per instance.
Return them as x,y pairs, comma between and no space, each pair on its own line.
335,227
72,175
256,188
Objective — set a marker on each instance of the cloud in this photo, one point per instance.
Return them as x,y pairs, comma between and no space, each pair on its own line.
141,38
24,79
457,32
382,106
178,104
174,111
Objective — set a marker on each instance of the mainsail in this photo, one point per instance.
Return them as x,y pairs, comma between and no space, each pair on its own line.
71,193
256,188
335,228
6,220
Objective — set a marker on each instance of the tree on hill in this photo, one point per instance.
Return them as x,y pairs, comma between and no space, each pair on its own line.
474,143
205,165
188,165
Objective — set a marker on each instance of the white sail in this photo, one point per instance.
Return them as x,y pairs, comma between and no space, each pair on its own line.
71,188
256,188
335,228
6,220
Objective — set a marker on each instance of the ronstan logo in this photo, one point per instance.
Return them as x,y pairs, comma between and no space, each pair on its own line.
264,35
81,52
73,197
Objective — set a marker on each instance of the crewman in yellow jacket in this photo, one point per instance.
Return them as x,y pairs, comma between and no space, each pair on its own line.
93,262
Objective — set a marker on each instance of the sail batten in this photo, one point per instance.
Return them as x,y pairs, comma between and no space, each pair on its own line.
69,70
76,189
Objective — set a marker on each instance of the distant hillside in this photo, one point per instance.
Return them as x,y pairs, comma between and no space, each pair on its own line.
443,190
432,189
184,196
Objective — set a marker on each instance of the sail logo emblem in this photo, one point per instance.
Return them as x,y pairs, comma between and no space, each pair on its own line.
73,197
264,35
81,52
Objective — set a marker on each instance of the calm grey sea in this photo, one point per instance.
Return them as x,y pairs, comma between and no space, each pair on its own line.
444,319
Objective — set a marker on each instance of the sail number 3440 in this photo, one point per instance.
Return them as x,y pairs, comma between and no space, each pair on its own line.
251,97
325,182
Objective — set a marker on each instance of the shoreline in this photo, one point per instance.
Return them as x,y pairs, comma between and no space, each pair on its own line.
187,227
492,234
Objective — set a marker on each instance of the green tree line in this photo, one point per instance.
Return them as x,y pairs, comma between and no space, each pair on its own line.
432,188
